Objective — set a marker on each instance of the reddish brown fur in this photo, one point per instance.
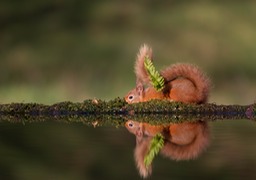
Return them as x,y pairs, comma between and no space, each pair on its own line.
196,83
139,69
183,82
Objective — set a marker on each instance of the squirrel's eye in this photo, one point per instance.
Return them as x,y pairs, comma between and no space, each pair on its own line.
130,124
130,97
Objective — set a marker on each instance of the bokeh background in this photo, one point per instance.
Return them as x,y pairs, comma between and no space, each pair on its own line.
59,50
74,50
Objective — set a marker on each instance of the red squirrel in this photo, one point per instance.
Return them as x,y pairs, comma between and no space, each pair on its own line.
182,141
183,82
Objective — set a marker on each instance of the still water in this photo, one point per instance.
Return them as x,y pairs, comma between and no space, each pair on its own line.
57,150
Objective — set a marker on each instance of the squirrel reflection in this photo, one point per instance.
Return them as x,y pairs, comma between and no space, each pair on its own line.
182,141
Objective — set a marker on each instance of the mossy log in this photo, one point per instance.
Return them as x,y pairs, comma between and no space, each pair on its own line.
117,111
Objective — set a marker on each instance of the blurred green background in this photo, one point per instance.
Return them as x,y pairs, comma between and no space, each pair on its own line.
58,50
52,51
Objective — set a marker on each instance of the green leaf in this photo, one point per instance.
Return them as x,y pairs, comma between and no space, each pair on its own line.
156,145
156,79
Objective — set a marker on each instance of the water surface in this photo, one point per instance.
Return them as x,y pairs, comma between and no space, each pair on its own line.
55,150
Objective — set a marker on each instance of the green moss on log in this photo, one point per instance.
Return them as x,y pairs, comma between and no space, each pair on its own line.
117,111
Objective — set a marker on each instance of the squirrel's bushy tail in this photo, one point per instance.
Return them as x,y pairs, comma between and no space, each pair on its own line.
140,71
192,73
